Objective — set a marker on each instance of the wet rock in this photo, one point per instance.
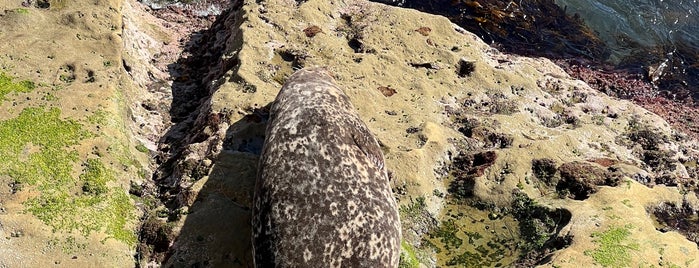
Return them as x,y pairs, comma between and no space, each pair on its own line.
136,189
540,228
678,217
500,140
468,125
648,139
156,237
659,160
512,24
17,233
666,179
466,168
644,179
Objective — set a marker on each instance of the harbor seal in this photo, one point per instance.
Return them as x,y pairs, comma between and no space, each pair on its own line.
322,196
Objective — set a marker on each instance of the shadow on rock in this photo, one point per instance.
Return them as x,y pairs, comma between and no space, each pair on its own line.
206,164
217,231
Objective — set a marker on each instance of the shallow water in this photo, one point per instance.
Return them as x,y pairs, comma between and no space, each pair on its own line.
658,39
646,32
629,24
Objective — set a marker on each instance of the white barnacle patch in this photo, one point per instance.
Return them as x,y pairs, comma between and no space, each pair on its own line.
307,255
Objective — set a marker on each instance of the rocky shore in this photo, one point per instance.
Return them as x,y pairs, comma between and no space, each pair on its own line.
495,159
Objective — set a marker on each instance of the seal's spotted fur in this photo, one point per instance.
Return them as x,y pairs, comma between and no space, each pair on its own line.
322,197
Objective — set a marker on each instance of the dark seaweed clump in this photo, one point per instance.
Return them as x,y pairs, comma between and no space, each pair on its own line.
539,228
580,179
682,218
545,170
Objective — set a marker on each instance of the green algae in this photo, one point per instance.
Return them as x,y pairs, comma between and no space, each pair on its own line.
37,152
447,235
68,245
408,258
472,237
142,148
98,117
473,233
614,247
22,10
95,177
7,86
414,209
34,147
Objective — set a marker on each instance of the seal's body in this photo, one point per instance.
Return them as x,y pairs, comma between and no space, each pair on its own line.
322,197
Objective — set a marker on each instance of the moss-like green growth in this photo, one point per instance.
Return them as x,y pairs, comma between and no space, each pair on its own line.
414,209
627,203
142,148
614,247
33,147
7,86
447,234
536,226
36,149
98,117
22,11
95,177
408,259
545,170
69,245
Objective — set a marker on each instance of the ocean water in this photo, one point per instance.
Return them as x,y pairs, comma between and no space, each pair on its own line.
658,39
630,26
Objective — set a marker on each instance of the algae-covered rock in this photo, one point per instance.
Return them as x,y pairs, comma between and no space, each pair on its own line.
462,127
67,154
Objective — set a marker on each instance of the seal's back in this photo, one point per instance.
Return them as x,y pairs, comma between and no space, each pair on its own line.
322,197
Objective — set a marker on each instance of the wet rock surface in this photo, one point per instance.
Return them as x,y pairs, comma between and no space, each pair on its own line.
682,218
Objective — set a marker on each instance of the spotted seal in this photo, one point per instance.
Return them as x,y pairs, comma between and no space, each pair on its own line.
322,197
